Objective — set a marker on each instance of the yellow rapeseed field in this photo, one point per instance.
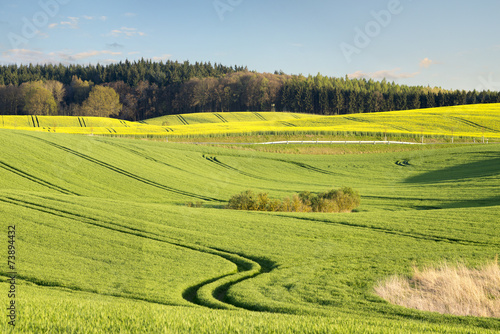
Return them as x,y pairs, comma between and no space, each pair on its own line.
474,121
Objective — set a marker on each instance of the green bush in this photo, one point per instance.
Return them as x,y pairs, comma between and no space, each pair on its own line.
344,199
244,201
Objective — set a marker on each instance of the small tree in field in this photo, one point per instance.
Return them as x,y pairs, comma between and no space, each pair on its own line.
102,102
38,100
341,200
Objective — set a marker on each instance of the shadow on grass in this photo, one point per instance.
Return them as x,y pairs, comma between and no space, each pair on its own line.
477,169
475,203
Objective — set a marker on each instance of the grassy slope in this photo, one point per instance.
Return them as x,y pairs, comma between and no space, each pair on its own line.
471,121
121,201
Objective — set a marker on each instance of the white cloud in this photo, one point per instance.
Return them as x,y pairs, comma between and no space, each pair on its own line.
84,55
109,61
42,35
161,58
22,52
26,56
72,23
53,25
92,18
383,74
426,63
126,32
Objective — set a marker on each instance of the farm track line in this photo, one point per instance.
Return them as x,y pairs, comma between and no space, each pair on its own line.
308,167
143,155
126,173
400,128
354,119
473,124
35,179
219,163
418,236
223,120
259,116
182,119
397,127
223,165
246,268
39,283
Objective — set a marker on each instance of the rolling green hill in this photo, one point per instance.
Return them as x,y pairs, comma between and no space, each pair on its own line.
106,243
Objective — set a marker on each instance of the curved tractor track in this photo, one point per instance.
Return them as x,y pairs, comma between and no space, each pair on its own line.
210,293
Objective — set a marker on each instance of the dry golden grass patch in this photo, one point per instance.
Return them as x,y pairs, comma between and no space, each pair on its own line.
456,290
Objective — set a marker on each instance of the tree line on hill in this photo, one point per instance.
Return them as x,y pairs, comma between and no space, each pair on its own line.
145,89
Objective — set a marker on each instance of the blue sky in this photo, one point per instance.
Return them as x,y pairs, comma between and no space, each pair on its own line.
451,44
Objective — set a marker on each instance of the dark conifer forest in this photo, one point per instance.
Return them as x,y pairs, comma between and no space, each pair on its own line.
145,89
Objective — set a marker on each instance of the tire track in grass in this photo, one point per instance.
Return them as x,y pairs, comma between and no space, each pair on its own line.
355,119
182,120
418,236
287,124
35,179
209,293
126,173
226,166
142,155
308,167
34,119
473,124
259,116
360,120
223,120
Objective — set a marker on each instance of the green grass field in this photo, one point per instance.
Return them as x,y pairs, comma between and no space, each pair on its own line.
106,243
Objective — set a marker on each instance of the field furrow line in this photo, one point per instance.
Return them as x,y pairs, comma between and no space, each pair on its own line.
223,165
182,119
473,124
35,179
419,236
129,174
259,116
308,167
355,119
143,155
223,120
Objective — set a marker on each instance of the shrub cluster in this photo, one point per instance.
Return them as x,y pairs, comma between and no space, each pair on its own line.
341,200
